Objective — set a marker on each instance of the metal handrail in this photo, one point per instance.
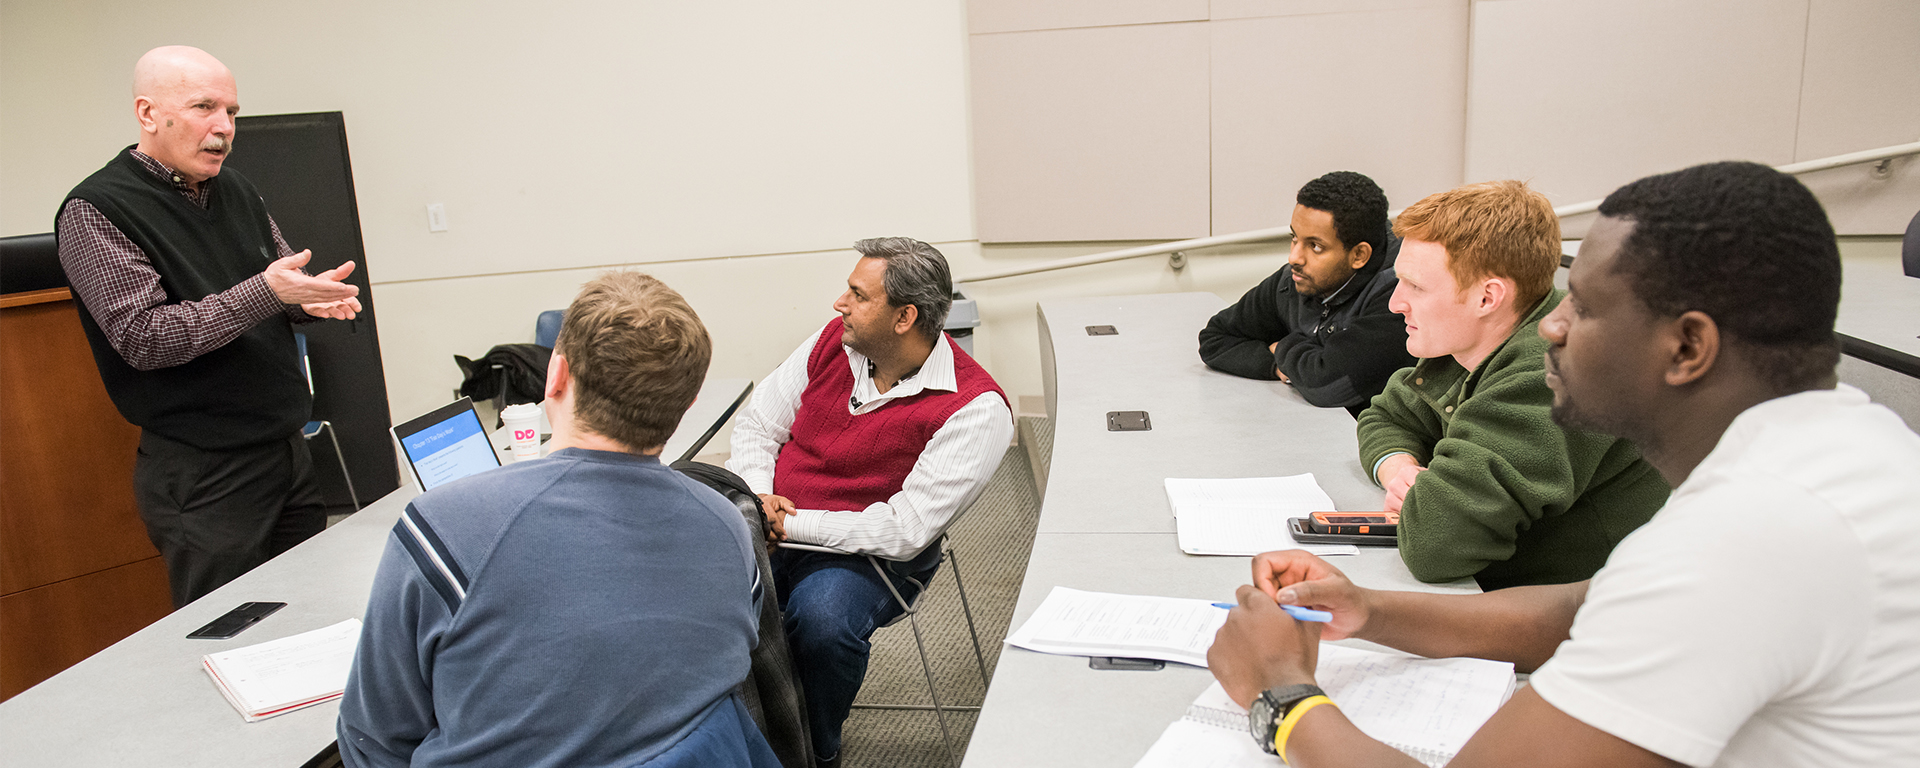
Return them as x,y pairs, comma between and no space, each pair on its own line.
1279,233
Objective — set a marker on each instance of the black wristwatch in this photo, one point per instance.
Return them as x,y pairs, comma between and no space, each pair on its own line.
1263,718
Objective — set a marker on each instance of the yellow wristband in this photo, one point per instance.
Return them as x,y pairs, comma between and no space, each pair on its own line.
1293,718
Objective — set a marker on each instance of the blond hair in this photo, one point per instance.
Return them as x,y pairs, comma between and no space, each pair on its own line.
637,354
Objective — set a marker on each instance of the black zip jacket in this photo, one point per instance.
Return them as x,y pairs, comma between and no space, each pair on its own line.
1337,352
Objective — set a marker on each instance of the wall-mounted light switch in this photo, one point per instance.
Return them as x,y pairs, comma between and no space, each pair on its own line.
436,217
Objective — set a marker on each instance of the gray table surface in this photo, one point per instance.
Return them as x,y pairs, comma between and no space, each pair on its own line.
1105,525
1205,423
146,701
1880,304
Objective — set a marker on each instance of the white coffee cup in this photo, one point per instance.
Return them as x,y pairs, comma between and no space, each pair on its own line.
523,425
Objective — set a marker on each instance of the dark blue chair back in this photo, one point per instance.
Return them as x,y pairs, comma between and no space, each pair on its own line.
546,330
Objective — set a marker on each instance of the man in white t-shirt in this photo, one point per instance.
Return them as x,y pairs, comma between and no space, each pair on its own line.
1768,615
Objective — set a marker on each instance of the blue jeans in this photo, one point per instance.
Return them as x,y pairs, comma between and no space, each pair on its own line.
833,603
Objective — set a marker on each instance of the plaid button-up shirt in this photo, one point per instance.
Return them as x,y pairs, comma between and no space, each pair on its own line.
117,284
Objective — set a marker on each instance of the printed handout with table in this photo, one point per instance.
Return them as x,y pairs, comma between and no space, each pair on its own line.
1072,622
1246,515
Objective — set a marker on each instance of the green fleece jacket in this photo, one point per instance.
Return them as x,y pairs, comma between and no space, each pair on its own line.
1508,497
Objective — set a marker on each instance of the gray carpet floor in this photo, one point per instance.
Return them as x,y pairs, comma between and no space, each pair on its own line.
991,544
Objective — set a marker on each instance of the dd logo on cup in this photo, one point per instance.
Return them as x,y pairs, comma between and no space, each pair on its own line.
523,422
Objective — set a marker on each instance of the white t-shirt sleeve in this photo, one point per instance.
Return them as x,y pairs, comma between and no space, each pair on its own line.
1734,597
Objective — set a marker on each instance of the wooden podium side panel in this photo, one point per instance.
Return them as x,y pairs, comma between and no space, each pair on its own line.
46,630
66,456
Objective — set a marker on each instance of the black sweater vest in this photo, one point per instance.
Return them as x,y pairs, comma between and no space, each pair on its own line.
251,390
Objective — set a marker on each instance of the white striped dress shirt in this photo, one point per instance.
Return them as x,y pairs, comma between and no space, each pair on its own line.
948,476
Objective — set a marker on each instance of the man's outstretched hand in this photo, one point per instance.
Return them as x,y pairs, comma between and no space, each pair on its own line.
326,292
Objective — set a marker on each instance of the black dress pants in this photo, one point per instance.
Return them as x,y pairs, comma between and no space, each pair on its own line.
214,515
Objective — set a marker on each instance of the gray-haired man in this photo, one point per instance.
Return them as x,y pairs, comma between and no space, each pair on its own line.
870,438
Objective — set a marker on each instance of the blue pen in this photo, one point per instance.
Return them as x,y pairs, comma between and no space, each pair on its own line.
1297,612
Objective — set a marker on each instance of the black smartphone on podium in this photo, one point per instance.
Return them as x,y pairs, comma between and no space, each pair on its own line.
235,621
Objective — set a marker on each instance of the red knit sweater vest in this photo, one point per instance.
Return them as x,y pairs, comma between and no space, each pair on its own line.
838,461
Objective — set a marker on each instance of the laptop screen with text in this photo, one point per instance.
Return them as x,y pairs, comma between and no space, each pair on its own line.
446,445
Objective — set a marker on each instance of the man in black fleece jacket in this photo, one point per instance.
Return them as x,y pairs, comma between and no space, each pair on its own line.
1321,323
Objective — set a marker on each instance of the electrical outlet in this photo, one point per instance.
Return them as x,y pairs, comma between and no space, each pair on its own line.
436,217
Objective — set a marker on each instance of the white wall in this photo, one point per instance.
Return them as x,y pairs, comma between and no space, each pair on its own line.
736,148
582,133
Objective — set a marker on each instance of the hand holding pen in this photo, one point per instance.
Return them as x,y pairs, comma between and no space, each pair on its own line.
1304,584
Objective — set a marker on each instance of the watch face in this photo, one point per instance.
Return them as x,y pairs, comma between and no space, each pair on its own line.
1261,722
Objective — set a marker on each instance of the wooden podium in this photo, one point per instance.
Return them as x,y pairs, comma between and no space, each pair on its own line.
77,572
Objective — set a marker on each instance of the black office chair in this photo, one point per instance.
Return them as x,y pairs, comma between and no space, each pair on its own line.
30,263
1910,247
772,688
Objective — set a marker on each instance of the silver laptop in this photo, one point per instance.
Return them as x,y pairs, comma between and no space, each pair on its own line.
445,445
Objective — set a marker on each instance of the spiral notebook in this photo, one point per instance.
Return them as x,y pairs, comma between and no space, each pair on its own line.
1427,708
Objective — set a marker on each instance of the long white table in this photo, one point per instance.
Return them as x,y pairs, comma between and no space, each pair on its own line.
1105,524
146,701
1205,423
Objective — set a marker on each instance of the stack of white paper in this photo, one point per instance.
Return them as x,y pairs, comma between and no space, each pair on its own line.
280,676
1246,516
1076,623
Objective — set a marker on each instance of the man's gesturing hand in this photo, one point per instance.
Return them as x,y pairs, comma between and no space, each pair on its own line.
293,286
344,309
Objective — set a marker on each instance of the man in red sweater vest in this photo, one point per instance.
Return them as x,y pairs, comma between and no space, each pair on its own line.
871,438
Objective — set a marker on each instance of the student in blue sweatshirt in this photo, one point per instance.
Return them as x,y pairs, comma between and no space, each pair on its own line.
591,608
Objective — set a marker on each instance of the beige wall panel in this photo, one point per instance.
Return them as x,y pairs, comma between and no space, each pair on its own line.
1091,134
988,16
1292,101
1861,90
1247,9
1580,97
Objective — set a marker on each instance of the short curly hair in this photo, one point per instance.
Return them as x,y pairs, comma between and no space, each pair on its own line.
1750,247
1358,206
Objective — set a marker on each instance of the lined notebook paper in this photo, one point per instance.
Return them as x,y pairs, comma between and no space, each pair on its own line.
280,676
1427,708
1246,515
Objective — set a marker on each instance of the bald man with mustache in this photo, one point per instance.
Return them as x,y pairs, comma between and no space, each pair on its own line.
191,295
